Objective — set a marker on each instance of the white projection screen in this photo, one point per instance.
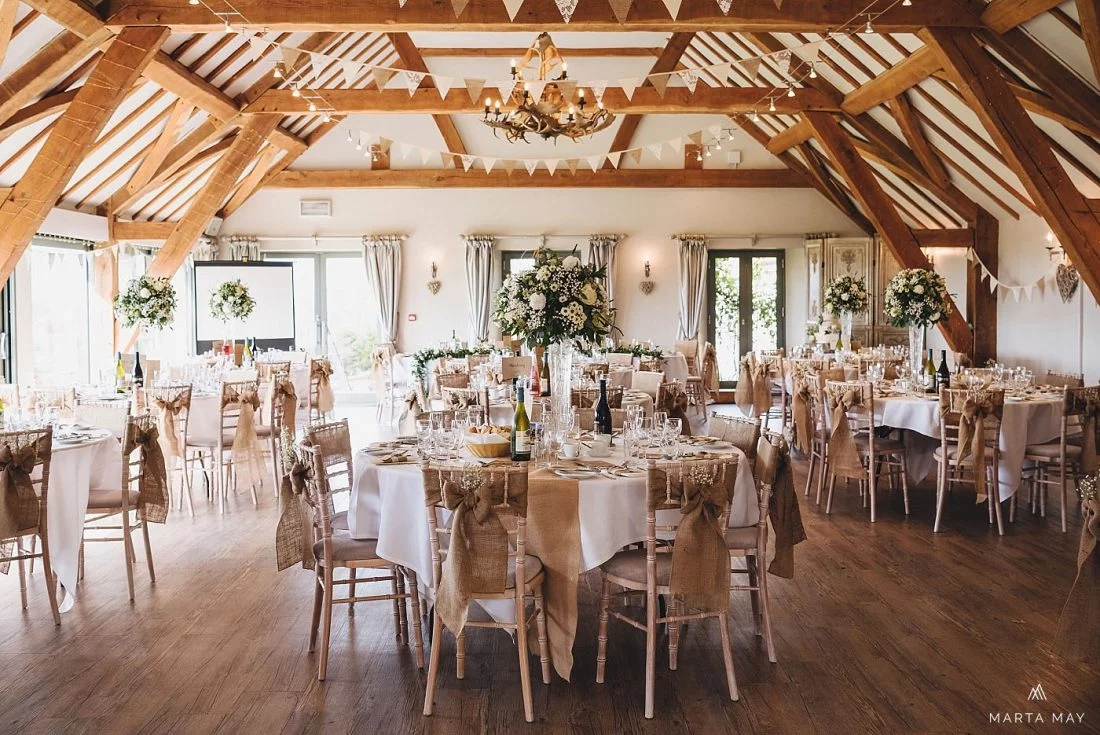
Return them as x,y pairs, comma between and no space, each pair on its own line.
272,321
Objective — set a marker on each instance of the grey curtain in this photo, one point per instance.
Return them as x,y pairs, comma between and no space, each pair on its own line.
479,287
693,283
382,254
601,254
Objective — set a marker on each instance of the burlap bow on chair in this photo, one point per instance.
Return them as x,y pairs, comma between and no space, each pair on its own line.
248,455
843,454
1089,461
673,401
753,392
294,534
168,423
153,483
19,506
800,415
287,395
700,560
458,398
785,516
322,371
972,439
1078,636
710,372
477,558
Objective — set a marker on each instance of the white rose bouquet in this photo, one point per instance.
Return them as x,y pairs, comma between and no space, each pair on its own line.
558,300
917,297
846,295
146,302
231,301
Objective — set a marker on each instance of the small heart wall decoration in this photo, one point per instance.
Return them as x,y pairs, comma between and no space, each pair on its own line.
1068,279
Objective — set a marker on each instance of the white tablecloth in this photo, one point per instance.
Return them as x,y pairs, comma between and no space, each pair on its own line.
1023,423
74,471
675,367
387,503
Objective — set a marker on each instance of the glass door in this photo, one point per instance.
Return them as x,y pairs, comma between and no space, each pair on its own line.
745,305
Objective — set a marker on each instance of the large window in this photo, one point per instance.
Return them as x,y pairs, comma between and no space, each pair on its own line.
745,305
59,338
517,261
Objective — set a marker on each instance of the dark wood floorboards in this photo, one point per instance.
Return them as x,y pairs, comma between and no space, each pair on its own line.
886,628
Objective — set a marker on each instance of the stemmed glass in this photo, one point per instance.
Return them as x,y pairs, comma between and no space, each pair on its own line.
424,437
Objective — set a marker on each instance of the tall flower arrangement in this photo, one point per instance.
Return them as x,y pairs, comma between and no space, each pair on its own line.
846,295
917,297
231,301
559,300
147,302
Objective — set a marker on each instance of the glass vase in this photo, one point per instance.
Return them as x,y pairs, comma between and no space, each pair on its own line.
916,349
846,330
559,358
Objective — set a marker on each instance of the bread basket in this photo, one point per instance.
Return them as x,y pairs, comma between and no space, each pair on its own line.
488,446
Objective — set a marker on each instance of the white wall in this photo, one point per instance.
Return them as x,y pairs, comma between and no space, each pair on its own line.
435,219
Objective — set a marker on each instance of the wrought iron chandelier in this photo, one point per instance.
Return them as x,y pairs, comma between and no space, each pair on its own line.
542,105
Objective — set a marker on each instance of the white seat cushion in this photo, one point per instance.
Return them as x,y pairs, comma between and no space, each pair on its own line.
1052,451
630,565
103,499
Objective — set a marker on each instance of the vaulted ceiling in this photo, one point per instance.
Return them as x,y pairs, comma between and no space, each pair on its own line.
914,113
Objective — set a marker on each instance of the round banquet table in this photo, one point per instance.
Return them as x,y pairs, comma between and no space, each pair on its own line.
1030,421
76,468
387,503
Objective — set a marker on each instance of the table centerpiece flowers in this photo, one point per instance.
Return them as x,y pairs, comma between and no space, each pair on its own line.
146,303
916,298
845,297
231,302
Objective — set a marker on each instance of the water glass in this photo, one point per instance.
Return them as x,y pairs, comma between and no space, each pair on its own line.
673,428
424,437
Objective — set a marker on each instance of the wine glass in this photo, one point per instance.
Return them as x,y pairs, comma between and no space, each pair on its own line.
673,428
424,437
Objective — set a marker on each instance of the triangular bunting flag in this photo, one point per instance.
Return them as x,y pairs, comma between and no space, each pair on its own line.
489,163
350,70
566,8
509,165
724,6
634,155
598,88
677,144
426,154
459,6
629,85
290,57
381,76
1016,293
401,3
473,88
443,84
1041,286
696,138
660,83
467,161
551,165
655,149
971,255
690,78
256,47
614,158
413,80
530,164
571,164
778,4
317,61
403,149
505,88
621,8
512,6
594,162
673,7
783,59
567,87
721,71
752,68
811,51
448,160
535,88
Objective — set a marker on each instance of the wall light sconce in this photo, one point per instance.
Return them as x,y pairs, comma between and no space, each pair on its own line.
434,284
647,285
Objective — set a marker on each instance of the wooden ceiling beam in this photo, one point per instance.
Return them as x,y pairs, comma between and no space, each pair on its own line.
491,15
1026,149
124,230
54,104
624,178
645,101
913,70
227,171
250,183
881,211
515,52
1088,11
950,237
1002,15
795,135
831,190
39,73
177,118
666,62
911,128
413,61
23,212
8,9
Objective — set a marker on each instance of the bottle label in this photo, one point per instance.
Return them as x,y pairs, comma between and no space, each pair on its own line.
523,442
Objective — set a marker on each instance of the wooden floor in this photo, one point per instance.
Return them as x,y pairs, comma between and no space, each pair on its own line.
886,628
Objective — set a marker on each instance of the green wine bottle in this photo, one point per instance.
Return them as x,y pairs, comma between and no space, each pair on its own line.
930,376
521,431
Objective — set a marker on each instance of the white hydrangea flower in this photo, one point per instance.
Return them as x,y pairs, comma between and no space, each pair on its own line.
537,301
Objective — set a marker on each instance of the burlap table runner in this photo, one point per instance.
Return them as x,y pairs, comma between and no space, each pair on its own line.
554,536
1078,635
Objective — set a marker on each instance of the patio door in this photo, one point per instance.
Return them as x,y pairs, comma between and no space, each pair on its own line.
745,305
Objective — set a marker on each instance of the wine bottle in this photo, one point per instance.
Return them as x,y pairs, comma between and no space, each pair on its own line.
930,372
536,388
603,410
139,374
120,374
943,372
247,357
521,431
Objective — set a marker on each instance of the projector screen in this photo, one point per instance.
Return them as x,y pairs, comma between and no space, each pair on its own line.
270,284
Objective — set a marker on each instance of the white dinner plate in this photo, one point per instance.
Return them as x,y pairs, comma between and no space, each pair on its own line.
577,474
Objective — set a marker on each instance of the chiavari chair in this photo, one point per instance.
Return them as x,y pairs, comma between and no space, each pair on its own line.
875,452
328,453
953,410
586,417
28,454
176,398
1064,455
103,414
320,371
268,368
506,486
751,542
108,504
220,448
588,397
1064,380
740,431
650,570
